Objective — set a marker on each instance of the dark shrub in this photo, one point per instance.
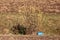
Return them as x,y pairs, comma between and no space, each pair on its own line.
19,29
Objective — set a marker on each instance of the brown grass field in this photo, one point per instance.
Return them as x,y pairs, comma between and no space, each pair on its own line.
37,15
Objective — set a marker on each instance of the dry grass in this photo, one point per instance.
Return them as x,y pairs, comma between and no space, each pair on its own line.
51,24
34,14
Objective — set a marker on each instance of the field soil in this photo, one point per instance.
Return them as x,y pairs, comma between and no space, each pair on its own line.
25,37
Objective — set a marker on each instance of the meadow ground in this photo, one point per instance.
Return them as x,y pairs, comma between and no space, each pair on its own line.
36,15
